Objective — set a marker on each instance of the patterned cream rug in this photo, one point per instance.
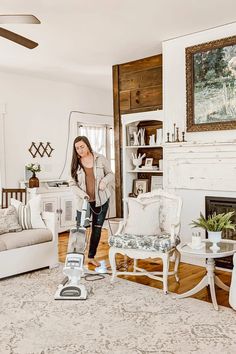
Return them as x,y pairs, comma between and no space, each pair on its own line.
121,318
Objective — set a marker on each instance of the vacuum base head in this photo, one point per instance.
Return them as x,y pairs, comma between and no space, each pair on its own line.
71,292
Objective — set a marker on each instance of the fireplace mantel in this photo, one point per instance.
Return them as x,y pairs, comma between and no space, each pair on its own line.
200,166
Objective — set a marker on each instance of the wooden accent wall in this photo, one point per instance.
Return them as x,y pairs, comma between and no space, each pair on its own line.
137,87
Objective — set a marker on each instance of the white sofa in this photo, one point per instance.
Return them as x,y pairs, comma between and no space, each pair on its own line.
29,249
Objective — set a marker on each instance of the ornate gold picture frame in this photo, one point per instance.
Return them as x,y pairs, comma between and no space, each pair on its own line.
211,85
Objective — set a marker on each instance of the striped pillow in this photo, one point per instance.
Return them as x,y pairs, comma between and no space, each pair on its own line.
24,216
29,215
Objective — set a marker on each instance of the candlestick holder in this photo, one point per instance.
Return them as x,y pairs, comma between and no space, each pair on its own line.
168,138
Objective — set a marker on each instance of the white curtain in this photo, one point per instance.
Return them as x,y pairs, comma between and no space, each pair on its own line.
96,134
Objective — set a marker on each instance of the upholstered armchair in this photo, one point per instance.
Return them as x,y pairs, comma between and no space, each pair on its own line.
151,230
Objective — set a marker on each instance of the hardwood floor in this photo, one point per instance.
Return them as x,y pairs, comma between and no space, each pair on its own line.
189,275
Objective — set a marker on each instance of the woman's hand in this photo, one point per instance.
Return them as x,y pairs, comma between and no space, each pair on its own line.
102,186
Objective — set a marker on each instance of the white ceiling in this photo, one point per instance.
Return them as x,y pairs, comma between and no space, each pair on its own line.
80,40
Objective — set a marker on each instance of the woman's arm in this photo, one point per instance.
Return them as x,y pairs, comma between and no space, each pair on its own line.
76,189
109,175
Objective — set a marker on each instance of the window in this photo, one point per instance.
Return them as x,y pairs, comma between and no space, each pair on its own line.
101,137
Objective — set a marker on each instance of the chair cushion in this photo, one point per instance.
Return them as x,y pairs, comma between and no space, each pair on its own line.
160,242
24,238
143,217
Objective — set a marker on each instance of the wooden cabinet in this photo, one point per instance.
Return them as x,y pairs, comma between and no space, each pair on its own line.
63,205
55,197
68,212
137,87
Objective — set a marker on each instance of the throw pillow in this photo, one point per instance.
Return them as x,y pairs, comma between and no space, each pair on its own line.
3,226
29,215
143,218
9,220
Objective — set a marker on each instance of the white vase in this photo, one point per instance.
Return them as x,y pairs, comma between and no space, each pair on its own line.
152,139
214,237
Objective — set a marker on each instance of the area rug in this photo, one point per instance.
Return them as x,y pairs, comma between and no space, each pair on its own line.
120,318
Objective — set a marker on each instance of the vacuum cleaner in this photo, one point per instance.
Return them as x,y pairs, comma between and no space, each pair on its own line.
71,288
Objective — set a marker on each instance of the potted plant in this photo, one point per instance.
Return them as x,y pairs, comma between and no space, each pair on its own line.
215,224
33,181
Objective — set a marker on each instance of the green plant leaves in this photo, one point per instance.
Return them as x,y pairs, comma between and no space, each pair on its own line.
215,222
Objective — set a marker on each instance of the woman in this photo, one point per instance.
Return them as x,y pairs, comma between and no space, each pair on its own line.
91,174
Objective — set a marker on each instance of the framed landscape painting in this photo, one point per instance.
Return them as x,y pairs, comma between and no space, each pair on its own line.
211,85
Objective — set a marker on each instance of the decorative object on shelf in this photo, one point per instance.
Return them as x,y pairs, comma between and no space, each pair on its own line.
161,165
33,181
210,85
140,186
136,138
132,195
41,149
148,162
142,136
130,130
159,136
156,182
175,136
214,225
137,160
168,138
152,140
148,168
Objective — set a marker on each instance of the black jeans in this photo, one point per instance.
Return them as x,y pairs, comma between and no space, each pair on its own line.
98,217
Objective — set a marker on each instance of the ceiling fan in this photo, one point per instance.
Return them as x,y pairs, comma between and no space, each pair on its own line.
12,36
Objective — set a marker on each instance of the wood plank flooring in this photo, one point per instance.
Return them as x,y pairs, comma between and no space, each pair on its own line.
189,275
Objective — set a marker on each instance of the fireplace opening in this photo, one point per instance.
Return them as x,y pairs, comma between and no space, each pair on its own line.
222,205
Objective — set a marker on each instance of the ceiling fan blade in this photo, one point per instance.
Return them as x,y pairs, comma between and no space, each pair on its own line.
28,19
17,38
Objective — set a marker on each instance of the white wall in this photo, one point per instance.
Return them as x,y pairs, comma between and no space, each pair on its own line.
38,110
174,105
174,82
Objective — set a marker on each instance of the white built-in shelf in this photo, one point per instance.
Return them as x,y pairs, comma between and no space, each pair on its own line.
142,146
144,171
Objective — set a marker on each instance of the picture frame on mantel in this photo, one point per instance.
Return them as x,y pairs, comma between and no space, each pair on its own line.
211,85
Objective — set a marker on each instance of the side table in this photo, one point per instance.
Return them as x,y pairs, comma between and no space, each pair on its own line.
226,248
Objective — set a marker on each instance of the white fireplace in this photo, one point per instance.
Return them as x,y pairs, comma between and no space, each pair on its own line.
197,170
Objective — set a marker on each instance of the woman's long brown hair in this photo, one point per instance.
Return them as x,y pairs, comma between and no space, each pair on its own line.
75,163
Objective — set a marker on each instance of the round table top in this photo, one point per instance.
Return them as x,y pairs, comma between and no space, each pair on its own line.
226,248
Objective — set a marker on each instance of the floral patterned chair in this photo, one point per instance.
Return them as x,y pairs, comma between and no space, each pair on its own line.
161,245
